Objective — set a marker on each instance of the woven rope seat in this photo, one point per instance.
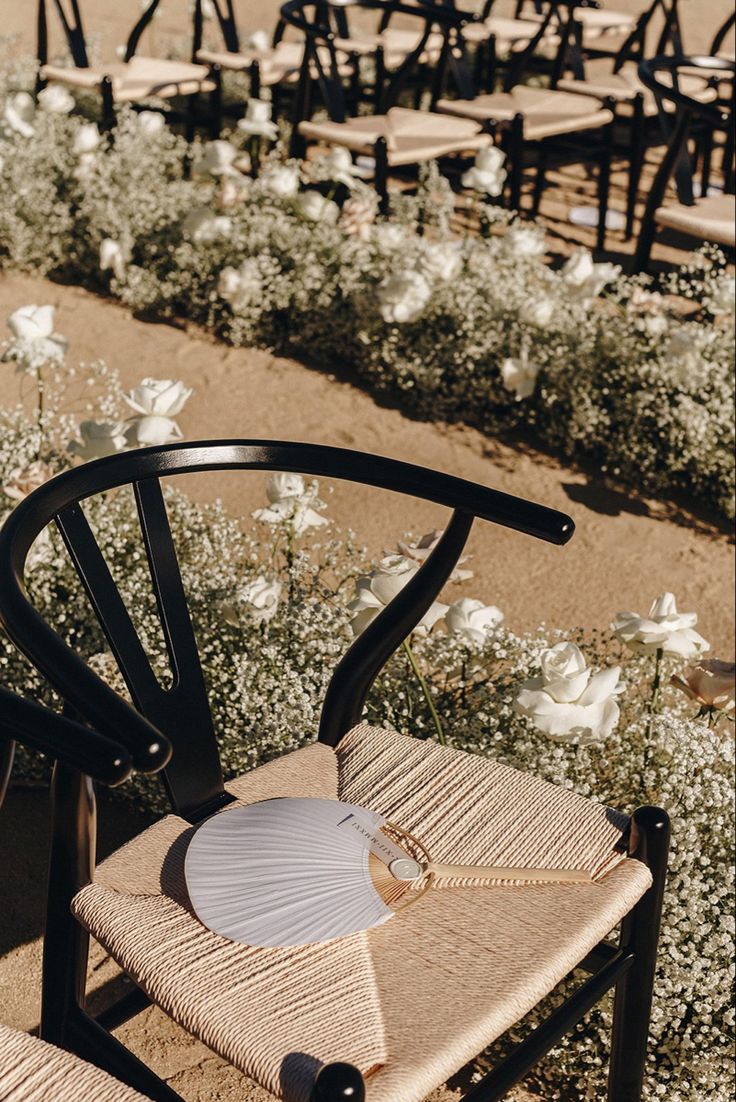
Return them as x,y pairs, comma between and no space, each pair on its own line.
546,113
625,85
411,136
137,79
32,1071
280,64
711,219
409,1002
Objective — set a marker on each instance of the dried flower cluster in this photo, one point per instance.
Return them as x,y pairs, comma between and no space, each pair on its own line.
273,610
477,328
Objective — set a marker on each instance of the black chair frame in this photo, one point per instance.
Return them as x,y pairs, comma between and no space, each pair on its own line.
171,731
73,28
677,162
325,79
510,133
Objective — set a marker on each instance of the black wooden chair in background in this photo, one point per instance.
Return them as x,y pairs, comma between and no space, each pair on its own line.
702,216
508,946
535,125
395,137
134,80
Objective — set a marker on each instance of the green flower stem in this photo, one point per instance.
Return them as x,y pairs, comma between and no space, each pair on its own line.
427,695
656,685
39,383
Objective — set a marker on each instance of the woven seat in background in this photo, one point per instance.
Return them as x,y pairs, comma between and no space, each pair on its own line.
135,80
32,1071
409,1002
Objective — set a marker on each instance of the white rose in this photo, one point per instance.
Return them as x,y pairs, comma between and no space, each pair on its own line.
284,486
403,296
388,236
114,256
99,438
441,260
257,121
538,311
216,160
520,375
566,702
423,548
291,503
723,300
524,240
664,629
472,620
150,122
487,175
256,600
374,591
18,114
162,397
203,226
152,429
56,99
316,208
36,342
241,286
281,181
586,278
338,166
711,683
86,139
260,40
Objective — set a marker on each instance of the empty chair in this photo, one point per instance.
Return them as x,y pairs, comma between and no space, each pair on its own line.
635,103
598,23
543,121
135,79
705,217
381,1003
395,136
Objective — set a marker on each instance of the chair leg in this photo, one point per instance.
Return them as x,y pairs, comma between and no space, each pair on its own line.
380,152
216,103
71,866
108,105
604,181
516,152
190,123
649,842
539,179
637,145
95,1044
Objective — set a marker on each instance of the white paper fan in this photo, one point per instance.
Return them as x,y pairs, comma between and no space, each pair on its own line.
296,871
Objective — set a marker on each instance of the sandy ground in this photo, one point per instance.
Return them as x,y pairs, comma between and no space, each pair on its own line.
626,549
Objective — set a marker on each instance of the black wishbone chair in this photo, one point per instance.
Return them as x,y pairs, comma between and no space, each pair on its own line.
136,79
42,1071
637,111
598,24
388,1030
396,137
707,217
544,122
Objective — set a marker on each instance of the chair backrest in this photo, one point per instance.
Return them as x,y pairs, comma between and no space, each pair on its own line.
722,34
634,47
70,18
193,776
225,16
321,61
676,161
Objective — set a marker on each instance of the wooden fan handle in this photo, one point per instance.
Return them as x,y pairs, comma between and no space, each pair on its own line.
491,872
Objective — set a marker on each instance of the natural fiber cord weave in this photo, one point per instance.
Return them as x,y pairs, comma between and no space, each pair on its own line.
32,1071
408,1002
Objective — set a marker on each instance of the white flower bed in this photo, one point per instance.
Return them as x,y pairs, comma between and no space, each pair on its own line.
275,607
636,384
